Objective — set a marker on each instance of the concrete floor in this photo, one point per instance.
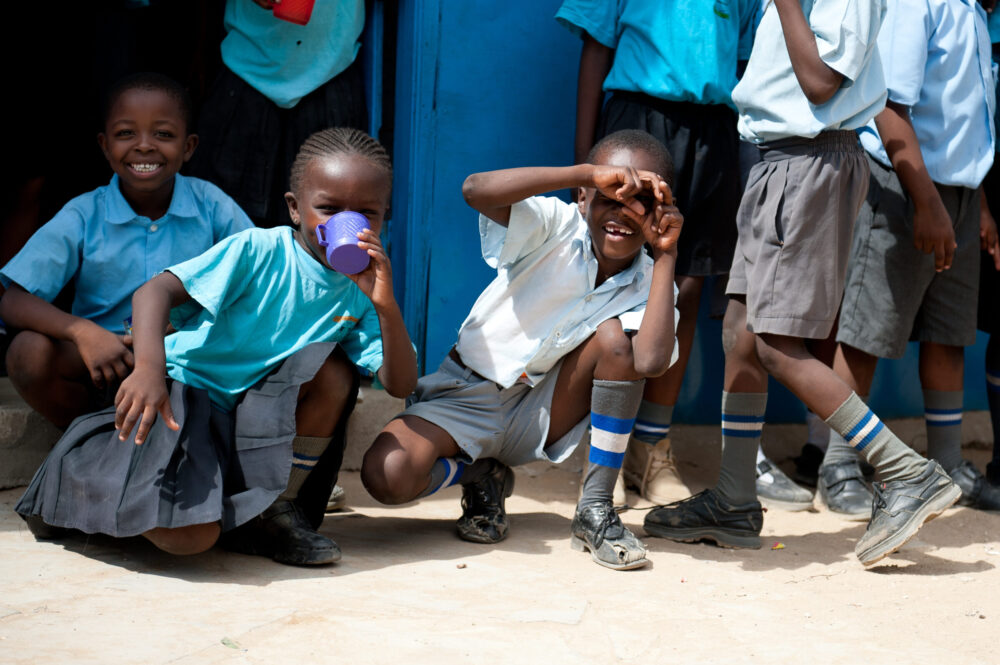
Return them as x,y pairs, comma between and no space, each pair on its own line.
409,591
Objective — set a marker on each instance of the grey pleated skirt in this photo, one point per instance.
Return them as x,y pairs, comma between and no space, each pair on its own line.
221,466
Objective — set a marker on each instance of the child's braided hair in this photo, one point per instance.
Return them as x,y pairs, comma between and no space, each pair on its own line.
338,141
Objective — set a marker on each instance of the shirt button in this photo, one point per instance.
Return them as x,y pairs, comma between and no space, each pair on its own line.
589,298
153,228
558,334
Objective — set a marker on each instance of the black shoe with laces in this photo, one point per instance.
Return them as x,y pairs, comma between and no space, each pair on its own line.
708,516
901,507
484,518
598,529
842,490
283,533
976,491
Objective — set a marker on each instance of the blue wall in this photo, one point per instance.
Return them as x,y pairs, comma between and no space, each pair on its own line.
484,85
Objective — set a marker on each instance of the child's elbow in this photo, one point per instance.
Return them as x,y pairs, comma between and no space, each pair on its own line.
652,366
822,90
470,188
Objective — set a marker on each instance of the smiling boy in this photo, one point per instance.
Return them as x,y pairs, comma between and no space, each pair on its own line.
563,326
107,243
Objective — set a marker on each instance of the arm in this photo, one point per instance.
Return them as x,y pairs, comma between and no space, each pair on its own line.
818,80
651,355
932,228
988,230
106,355
399,361
493,193
595,63
144,394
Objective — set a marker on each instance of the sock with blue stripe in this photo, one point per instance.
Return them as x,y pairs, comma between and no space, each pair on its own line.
306,451
653,422
838,450
993,391
742,422
448,471
613,405
863,431
943,418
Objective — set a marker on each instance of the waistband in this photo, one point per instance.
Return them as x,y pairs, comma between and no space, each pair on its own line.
835,140
668,107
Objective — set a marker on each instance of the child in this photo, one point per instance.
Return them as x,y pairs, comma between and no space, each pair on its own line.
678,89
548,337
811,81
107,243
253,397
914,267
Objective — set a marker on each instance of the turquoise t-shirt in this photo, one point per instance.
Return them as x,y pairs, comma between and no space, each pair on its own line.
257,298
676,50
285,61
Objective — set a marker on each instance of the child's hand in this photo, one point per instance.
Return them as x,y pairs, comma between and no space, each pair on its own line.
626,185
933,234
375,281
139,398
988,239
108,356
662,228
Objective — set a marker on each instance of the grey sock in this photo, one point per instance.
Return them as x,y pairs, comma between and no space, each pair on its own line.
839,451
742,422
306,451
653,422
613,405
448,471
943,420
861,428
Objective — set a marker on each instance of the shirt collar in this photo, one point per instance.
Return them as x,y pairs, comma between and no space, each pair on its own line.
182,202
641,265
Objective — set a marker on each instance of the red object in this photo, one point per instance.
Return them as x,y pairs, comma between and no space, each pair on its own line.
294,11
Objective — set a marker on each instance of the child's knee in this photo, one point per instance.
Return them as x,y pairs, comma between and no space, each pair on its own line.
387,474
29,357
185,540
334,380
323,398
616,360
769,357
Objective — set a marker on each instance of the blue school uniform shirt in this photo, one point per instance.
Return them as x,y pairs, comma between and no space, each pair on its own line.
676,50
936,55
285,61
770,100
543,303
108,251
257,298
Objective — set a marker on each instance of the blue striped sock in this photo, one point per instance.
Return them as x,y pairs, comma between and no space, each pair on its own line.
447,471
943,418
613,405
653,422
863,431
742,423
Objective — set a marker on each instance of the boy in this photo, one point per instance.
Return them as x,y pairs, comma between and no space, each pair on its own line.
679,90
108,242
814,77
915,257
548,337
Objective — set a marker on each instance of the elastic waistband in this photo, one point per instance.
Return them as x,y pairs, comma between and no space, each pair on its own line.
670,107
837,140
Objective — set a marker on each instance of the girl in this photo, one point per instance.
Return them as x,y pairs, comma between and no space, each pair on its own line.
260,376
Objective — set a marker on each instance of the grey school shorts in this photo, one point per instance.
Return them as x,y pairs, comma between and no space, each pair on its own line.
507,424
893,294
795,223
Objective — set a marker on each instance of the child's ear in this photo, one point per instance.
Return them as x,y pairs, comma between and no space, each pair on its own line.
190,143
581,200
293,207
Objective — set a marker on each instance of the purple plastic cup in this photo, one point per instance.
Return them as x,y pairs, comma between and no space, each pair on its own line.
339,235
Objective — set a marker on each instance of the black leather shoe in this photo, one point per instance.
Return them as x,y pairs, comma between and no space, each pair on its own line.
283,533
976,491
901,507
842,490
708,516
598,529
484,517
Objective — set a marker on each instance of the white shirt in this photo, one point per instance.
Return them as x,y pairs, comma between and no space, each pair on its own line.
542,303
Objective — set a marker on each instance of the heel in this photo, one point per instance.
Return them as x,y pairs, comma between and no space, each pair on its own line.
577,544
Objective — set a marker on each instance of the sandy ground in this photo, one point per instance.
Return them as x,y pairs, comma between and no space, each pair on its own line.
409,591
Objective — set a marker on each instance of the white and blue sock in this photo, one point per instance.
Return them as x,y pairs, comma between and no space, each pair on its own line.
653,422
863,431
448,471
306,451
943,419
613,405
742,424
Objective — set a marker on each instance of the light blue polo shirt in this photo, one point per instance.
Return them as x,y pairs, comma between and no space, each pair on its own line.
285,61
770,100
99,242
936,56
257,298
676,50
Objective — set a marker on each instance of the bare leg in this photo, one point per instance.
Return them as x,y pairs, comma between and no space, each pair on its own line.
185,540
50,376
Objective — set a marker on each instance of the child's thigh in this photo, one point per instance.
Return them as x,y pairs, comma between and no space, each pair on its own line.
35,356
